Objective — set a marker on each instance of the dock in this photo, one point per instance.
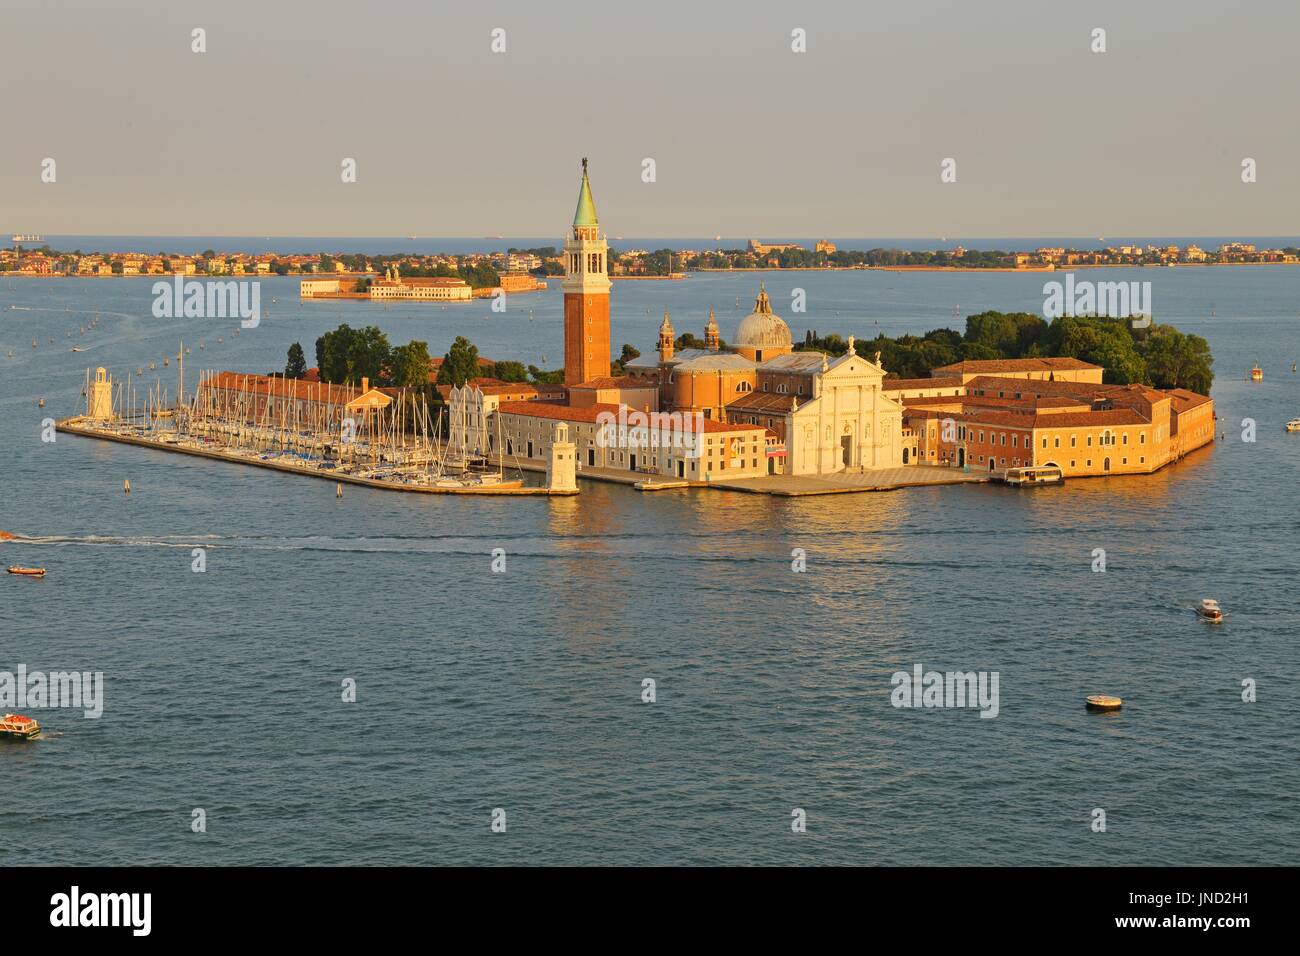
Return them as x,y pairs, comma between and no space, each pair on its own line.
784,486
88,429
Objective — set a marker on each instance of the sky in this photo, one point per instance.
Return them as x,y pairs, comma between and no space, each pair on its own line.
747,136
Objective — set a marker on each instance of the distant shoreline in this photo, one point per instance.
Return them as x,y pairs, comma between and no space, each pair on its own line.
1029,270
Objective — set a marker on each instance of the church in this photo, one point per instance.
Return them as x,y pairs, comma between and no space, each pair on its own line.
827,415
756,407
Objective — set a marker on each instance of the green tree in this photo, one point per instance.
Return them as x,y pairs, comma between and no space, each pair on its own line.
510,371
460,364
347,355
541,377
410,365
296,366
1177,360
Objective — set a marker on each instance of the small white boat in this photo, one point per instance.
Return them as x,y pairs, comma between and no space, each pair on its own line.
1293,425
1209,609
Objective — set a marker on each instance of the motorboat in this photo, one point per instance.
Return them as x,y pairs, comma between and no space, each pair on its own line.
29,572
1209,609
18,727
1293,425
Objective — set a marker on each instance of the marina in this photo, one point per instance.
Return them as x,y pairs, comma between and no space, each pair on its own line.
385,439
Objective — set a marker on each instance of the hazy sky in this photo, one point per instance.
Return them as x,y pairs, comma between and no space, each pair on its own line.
748,137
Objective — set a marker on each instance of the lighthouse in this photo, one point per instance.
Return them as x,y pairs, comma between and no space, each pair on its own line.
99,399
586,293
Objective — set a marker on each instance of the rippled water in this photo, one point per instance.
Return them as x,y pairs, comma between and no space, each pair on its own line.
522,690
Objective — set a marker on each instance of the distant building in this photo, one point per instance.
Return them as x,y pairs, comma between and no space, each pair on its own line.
316,288
396,286
763,248
825,246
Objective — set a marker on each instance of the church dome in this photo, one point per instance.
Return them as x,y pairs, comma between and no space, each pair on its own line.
762,328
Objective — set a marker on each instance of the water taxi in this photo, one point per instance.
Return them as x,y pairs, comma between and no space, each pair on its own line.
1293,425
29,572
18,727
1033,476
1209,609
1103,702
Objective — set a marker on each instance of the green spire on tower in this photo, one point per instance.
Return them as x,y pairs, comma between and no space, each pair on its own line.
586,212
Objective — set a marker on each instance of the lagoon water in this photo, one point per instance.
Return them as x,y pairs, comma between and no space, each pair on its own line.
522,690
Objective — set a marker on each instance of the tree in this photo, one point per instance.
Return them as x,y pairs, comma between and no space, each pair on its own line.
410,365
347,355
629,353
460,364
1177,360
296,366
541,377
510,371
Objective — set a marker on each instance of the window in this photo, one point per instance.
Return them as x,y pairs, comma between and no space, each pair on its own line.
1126,438
1073,441
1089,441
1057,442
1044,442
1142,438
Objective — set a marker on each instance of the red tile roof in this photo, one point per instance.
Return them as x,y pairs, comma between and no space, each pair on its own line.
494,386
993,366
609,381
897,384
763,402
592,413
278,387
1184,400
1116,416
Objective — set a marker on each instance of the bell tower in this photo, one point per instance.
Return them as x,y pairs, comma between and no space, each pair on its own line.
665,339
712,337
586,293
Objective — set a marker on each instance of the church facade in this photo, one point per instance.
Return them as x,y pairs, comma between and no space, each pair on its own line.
826,415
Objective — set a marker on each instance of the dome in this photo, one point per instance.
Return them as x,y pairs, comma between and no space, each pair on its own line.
762,328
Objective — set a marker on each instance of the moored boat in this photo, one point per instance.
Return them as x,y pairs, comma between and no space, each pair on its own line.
29,572
1209,609
18,727
1103,702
